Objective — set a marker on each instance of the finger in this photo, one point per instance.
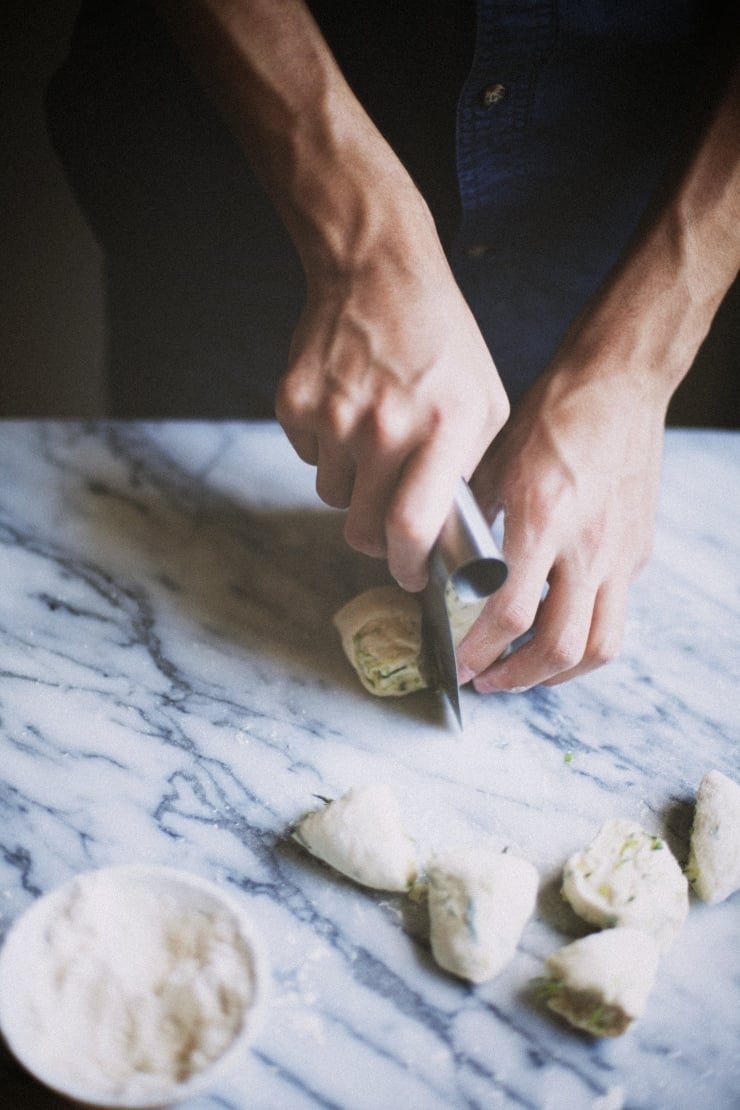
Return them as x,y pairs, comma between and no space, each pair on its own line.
305,445
381,446
486,491
335,474
559,643
297,419
364,529
507,616
606,633
425,494
417,512
510,613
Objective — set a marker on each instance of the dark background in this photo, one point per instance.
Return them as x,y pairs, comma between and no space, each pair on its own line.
52,326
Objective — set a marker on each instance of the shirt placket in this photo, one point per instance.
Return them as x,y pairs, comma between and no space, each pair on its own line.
513,37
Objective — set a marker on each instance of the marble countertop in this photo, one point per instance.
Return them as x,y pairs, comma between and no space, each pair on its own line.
172,692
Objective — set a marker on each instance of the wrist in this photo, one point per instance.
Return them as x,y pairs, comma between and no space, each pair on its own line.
652,316
347,201
647,324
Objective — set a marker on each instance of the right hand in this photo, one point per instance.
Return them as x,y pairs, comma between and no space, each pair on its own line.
391,392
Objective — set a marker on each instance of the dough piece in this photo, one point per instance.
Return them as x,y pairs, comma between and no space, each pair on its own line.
602,982
479,904
714,857
628,877
462,614
381,633
381,636
361,834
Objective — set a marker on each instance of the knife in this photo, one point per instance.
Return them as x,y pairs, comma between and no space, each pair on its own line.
467,557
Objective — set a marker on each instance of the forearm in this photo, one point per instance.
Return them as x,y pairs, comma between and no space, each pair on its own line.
330,174
389,390
656,309
576,469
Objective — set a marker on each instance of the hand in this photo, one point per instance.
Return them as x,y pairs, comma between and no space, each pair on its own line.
576,473
576,469
391,393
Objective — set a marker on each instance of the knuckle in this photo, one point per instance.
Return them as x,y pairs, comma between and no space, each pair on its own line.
338,417
333,494
384,431
401,523
294,398
564,654
361,537
605,650
514,618
387,424
284,407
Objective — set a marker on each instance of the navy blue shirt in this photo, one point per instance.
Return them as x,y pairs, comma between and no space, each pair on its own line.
571,117
539,131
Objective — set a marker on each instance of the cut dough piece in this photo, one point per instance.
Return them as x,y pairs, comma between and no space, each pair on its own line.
361,834
628,877
380,631
479,904
714,858
462,614
602,982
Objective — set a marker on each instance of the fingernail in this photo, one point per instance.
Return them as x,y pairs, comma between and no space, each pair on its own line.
464,675
492,688
411,585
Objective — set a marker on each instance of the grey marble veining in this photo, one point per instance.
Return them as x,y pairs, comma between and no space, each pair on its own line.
172,691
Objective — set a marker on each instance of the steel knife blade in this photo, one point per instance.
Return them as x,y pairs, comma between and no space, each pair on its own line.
467,557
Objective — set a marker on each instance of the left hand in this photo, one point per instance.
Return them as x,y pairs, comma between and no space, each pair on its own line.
576,473
576,468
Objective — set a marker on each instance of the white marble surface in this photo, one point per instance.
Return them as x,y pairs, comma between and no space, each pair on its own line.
172,691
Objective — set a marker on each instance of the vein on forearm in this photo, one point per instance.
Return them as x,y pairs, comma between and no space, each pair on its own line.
268,69
655,310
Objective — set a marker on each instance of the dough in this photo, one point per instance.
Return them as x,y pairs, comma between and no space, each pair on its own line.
361,834
628,877
381,636
479,904
462,614
714,858
602,982
381,633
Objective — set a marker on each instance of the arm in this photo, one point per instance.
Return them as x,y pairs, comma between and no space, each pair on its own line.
390,392
576,470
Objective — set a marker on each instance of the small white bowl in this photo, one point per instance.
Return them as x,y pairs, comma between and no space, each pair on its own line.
26,985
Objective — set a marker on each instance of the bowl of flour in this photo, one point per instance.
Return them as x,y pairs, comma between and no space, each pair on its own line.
132,986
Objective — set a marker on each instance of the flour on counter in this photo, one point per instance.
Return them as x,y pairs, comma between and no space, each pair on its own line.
133,992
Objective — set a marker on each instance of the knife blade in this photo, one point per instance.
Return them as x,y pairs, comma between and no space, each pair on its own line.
467,557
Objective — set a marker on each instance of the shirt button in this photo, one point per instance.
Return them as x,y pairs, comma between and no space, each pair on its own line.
493,94
477,250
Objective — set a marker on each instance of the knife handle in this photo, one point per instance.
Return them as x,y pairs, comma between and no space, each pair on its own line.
466,547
